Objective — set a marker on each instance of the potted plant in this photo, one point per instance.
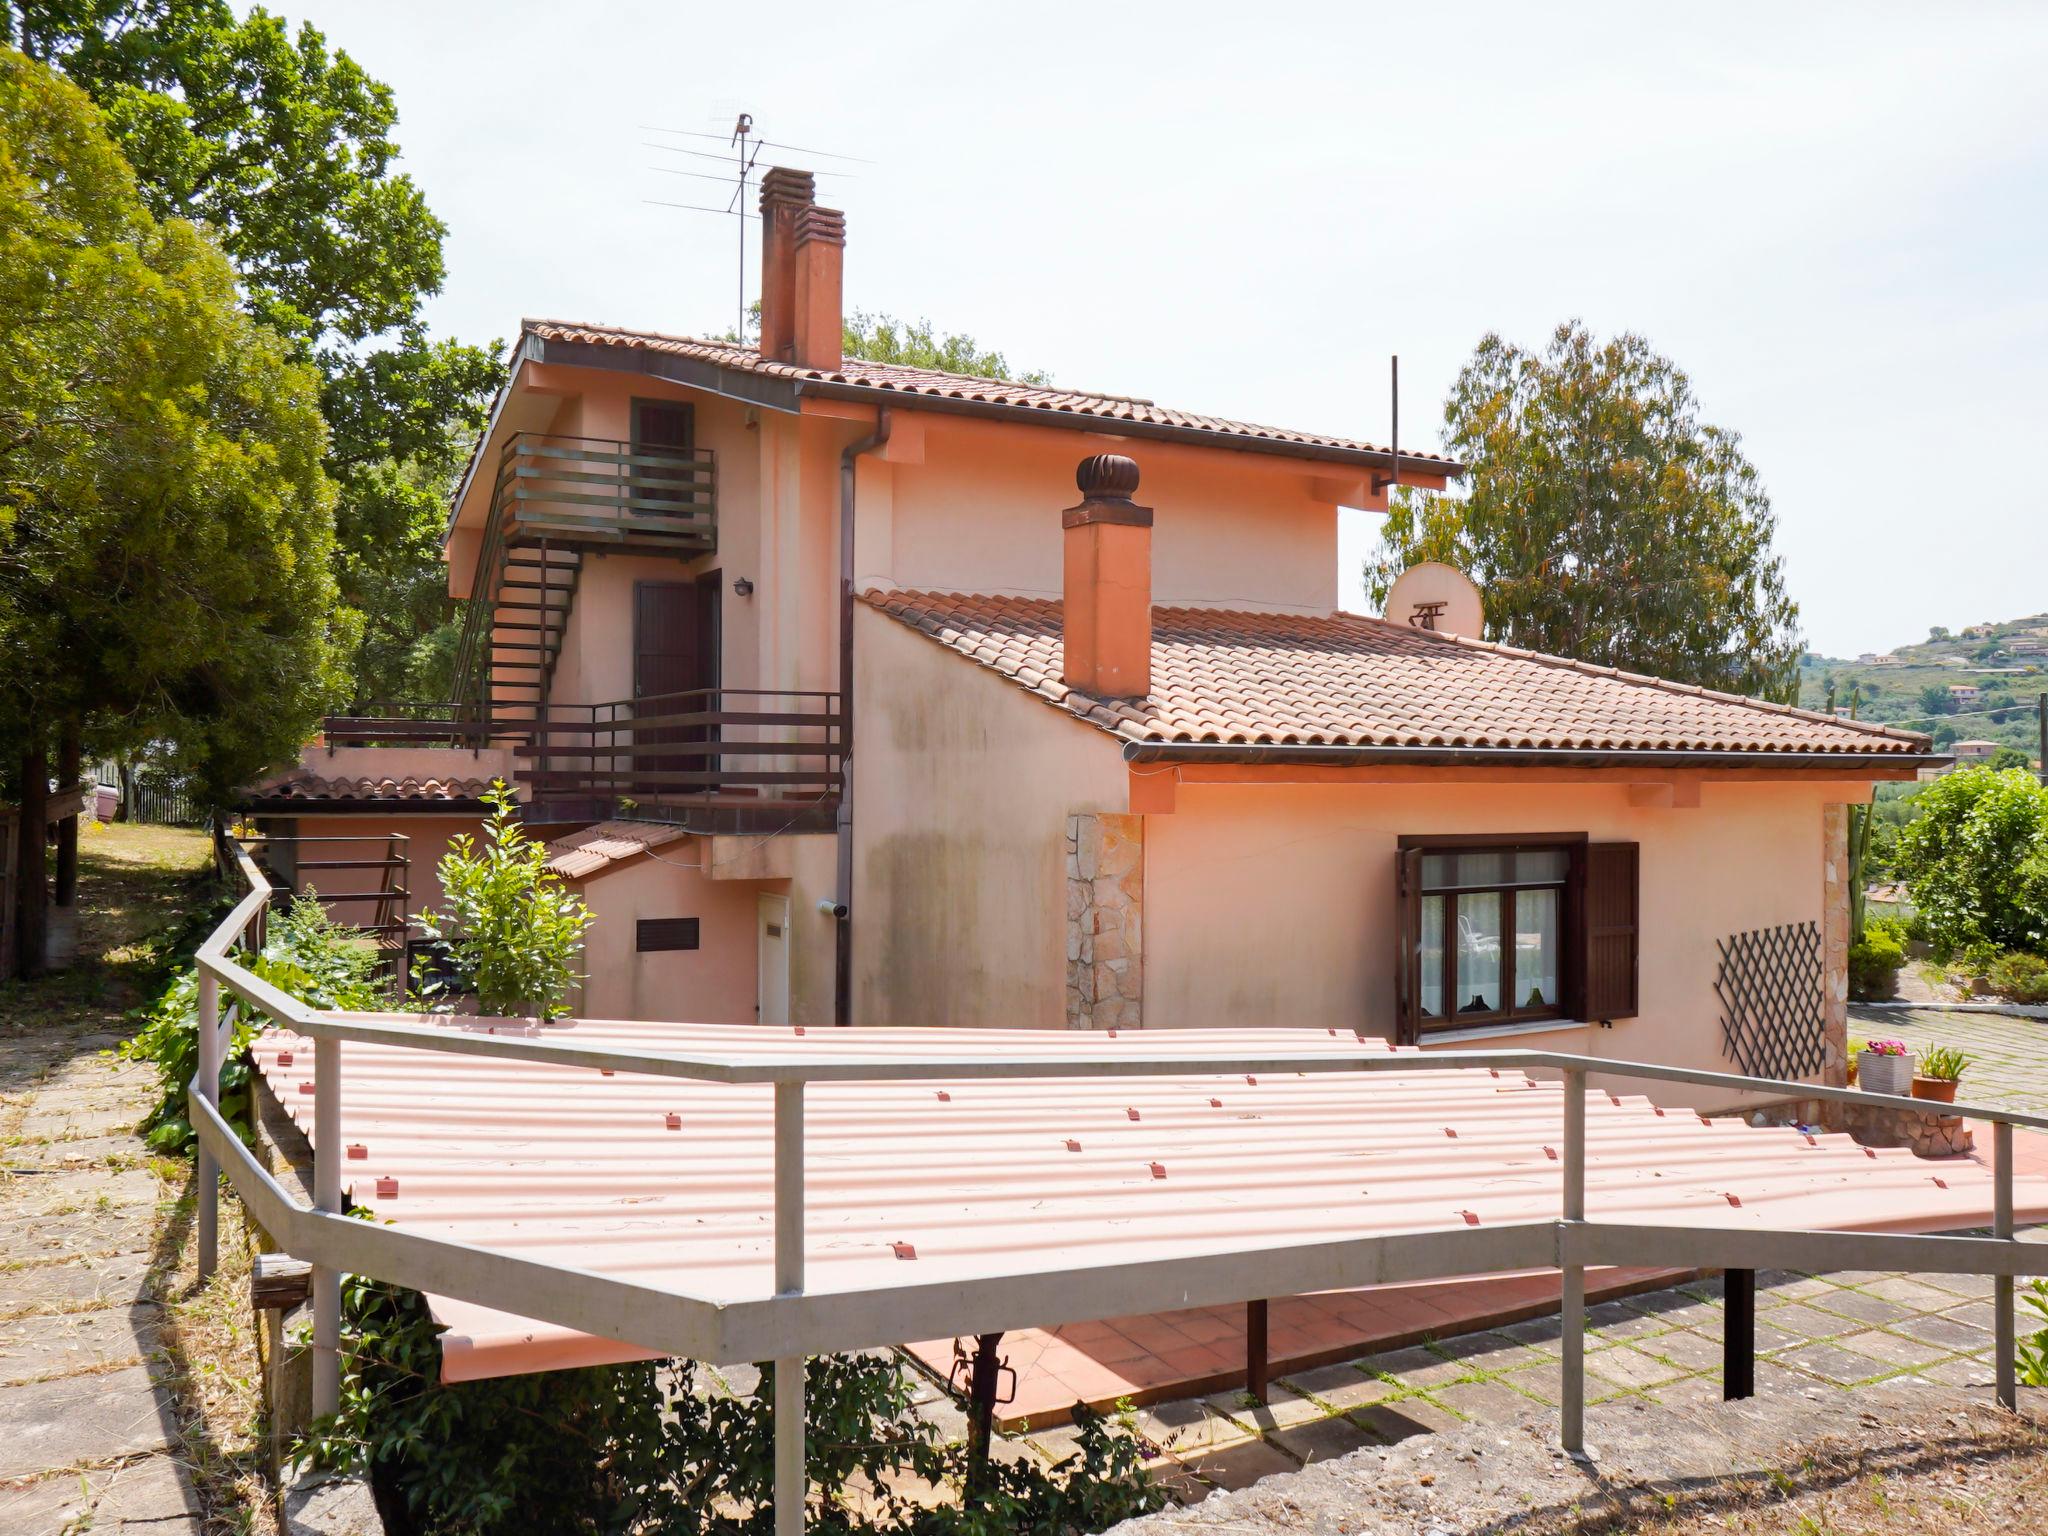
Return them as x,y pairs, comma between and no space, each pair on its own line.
1884,1066
1939,1069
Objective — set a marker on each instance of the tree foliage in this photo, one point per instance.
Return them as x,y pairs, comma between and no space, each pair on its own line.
885,339
1605,521
286,151
1976,860
165,527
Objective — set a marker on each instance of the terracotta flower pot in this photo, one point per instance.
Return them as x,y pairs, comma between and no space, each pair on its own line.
1942,1089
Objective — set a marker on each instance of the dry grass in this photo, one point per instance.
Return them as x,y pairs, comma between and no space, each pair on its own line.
1980,1473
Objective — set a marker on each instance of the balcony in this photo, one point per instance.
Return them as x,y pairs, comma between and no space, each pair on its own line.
713,760
596,493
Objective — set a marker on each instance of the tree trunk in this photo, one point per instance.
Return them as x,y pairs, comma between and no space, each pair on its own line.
125,771
68,769
31,863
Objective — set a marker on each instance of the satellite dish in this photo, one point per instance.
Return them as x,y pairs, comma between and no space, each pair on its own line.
1437,597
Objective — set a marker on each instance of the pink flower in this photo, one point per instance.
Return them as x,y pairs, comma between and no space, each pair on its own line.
1885,1047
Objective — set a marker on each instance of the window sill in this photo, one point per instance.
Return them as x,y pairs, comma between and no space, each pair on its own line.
1496,1031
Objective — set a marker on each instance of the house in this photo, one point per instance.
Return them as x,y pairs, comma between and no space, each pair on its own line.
1974,751
1962,693
855,692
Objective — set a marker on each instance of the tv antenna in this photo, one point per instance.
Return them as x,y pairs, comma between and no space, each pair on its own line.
742,130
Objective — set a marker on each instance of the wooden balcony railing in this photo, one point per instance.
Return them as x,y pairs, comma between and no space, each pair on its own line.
596,492
406,723
715,758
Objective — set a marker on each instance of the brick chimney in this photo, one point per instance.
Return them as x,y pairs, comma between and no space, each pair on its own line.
784,195
820,316
1107,624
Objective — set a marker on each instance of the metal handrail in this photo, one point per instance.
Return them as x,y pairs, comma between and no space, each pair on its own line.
794,1322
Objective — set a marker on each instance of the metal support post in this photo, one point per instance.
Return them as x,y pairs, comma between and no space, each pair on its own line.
327,1154
791,1481
1738,1334
1572,1428
1258,1361
2002,1287
208,1216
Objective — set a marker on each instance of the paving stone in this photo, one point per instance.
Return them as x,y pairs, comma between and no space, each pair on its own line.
1616,1320
1631,1367
1281,1410
1926,1293
1893,1348
1964,1372
1688,1391
1239,1466
51,1287
52,1504
81,1419
1808,1322
1776,1285
1322,1439
50,1344
1491,1352
1675,1309
1340,1386
1405,1418
1692,1351
1187,1427
1484,1402
1864,1307
1832,1363
1951,1332
1538,1333
1545,1382
155,1494
1416,1367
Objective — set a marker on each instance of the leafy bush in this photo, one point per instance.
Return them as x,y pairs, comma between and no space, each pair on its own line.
305,953
1874,959
509,930
1976,860
651,1448
2022,978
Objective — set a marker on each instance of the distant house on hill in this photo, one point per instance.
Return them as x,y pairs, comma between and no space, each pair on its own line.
1962,693
1974,751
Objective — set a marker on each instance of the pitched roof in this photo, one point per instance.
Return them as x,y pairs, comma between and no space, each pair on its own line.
302,785
1342,680
1060,407
598,848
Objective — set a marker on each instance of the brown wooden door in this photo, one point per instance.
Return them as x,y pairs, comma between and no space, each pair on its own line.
662,429
675,651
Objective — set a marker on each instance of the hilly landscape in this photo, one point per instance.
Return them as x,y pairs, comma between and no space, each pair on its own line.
1910,686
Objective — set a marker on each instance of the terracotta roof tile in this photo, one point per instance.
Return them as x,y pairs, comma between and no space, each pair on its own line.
1345,680
302,784
595,848
931,383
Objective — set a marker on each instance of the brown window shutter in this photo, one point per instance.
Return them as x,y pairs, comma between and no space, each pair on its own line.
1408,958
1609,943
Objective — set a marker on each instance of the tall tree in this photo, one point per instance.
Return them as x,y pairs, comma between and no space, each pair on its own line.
286,151
1605,521
885,339
166,532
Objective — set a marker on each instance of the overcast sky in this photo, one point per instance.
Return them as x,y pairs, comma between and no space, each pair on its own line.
1831,216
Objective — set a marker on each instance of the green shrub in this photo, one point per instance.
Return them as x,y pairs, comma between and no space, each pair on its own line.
509,931
654,1448
2022,978
305,953
1874,960
1976,860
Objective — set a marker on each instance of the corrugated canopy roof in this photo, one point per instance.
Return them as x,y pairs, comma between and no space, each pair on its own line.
669,1180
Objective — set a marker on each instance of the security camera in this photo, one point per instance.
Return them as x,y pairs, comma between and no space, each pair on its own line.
832,908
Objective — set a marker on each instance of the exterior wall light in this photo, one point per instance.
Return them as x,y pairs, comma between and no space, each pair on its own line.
743,586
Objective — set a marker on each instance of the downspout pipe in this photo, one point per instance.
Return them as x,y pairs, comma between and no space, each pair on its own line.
842,955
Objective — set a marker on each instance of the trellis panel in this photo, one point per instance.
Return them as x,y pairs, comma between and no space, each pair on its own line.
1772,990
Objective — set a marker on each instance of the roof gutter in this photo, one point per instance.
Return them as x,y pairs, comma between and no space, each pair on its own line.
1301,754
1117,426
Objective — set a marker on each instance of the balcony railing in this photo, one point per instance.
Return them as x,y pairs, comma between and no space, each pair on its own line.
716,759
602,493
408,723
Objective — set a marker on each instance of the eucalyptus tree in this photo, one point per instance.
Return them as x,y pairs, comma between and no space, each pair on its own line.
1605,520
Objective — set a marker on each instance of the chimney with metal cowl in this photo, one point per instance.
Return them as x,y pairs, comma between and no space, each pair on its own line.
1107,612
820,263
785,194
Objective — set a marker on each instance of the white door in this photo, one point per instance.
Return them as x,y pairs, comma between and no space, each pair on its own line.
774,949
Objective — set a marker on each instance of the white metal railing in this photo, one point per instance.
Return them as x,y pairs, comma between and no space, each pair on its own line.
794,1323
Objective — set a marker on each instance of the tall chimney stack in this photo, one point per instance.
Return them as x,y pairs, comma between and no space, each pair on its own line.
1107,612
820,263
784,195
